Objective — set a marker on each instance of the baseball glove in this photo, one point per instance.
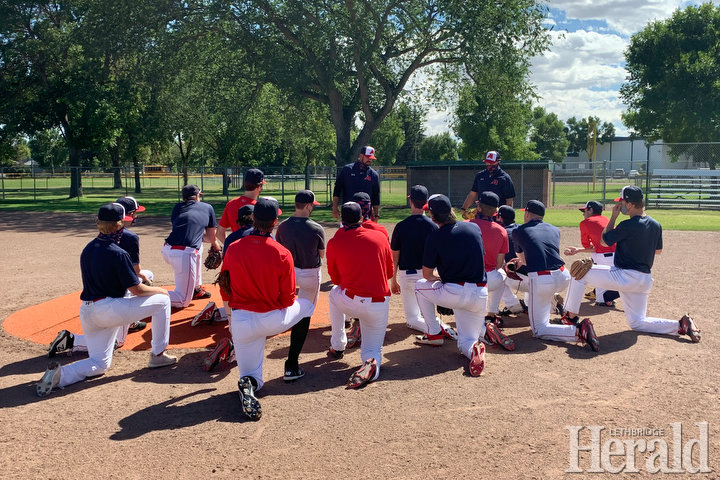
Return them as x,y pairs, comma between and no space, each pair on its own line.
213,260
579,268
223,281
470,213
445,310
511,269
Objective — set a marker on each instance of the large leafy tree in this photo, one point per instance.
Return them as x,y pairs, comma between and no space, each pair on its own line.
412,119
673,90
357,57
439,148
548,134
577,132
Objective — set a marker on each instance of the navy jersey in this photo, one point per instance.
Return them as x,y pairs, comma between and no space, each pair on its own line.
498,182
457,251
511,252
236,235
131,244
106,270
189,221
356,177
540,242
637,238
409,238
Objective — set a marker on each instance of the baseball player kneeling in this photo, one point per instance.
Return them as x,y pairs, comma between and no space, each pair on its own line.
262,298
361,290
456,250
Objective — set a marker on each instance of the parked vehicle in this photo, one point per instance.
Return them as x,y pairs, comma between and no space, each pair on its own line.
619,173
633,174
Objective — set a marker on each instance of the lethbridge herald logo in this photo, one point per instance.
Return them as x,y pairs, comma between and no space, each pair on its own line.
632,450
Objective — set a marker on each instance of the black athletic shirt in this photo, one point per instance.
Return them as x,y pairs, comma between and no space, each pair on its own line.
500,183
409,238
303,237
106,270
457,251
356,177
637,238
540,242
511,252
189,221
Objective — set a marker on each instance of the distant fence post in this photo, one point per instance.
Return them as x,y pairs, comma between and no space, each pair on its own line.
554,165
604,172
32,171
2,175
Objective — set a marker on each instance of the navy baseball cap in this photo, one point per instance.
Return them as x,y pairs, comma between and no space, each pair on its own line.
439,203
596,207
492,157
190,191
111,212
368,151
306,196
507,213
362,199
266,209
536,207
351,213
255,175
244,211
490,199
130,205
630,193
418,194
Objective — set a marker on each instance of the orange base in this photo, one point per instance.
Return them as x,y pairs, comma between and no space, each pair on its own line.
41,323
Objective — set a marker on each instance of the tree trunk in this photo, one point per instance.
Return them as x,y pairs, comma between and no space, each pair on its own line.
114,152
75,177
136,169
308,157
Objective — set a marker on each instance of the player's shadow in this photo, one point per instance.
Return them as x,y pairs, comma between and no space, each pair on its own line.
168,415
25,367
612,343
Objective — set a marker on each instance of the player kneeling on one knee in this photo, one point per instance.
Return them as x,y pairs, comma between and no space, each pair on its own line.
107,272
261,294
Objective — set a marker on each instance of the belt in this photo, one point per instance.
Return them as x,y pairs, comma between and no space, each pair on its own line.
548,272
88,302
410,272
177,247
372,299
608,254
478,284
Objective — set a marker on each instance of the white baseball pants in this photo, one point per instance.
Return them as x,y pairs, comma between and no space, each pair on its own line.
495,289
542,289
250,330
634,288
468,301
101,320
601,259
186,264
373,317
512,287
308,282
413,317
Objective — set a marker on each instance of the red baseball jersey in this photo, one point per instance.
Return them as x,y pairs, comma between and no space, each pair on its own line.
229,216
591,233
370,225
495,241
262,275
360,260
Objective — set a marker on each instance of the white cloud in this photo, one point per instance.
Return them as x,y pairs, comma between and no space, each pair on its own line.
624,16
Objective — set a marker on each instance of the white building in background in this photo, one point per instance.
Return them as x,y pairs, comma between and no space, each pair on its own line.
629,155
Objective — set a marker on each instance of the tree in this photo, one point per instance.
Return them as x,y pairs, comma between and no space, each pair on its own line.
577,133
548,134
357,56
388,138
48,149
672,90
412,118
439,148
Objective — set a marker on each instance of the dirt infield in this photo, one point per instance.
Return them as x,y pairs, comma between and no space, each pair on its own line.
425,417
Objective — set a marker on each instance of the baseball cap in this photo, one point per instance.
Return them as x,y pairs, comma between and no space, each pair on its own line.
507,213
111,212
190,191
306,196
596,207
266,209
130,205
536,207
351,213
492,157
418,194
631,193
362,199
490,199
244,211
254,175
368,152
439,203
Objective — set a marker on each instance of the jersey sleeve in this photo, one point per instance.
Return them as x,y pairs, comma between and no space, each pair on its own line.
287,281
212,222
430,252
396,239
505,243
340,183
616,234
517,240
125,271
475,185
375,189
332,264
585,239
659,245
509,187
225,218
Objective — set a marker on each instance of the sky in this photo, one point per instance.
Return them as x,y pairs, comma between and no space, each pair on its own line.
582,72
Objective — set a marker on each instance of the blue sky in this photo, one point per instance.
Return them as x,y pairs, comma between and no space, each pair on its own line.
582,72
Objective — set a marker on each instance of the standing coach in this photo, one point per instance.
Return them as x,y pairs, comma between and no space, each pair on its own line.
357,177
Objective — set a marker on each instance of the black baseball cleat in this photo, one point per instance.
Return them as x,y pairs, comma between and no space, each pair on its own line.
137,326
249,402
293,373
586,332
63,341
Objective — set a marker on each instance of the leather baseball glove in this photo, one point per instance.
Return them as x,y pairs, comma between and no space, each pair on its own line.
579,268
223,281
445,310
213,260
511,268
470,213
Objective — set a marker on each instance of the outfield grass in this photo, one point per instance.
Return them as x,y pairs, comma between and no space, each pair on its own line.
161,193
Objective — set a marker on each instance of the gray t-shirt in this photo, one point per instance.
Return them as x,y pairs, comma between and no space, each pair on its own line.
303,237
